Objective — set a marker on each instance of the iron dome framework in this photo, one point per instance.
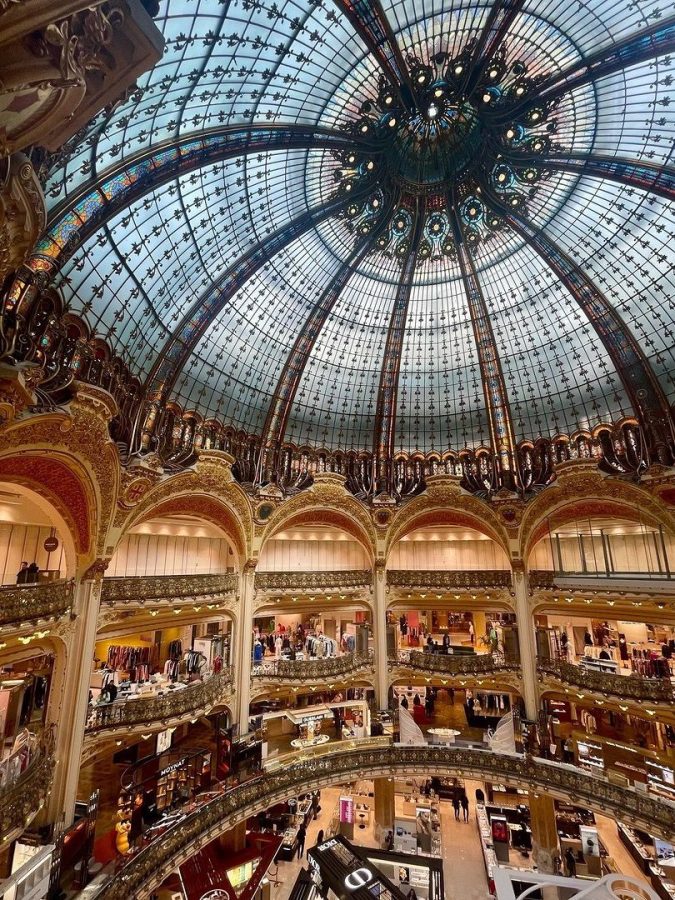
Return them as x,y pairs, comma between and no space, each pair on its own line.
381,229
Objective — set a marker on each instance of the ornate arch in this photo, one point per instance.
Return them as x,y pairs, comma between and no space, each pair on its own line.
327,502
70,460
445,503
185,495
581,490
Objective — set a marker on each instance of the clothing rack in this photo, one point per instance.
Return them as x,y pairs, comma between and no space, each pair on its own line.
139,662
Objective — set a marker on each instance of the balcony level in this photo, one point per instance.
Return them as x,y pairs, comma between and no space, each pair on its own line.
169,589
309,671
22,799
31,603
170,708
367,759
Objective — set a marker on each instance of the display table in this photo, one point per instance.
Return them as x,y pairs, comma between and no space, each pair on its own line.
305,743
442,735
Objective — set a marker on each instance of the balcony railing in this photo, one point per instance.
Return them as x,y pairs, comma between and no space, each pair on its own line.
196,697
22,800
313,581
541,579
366,759
313,669
628,687
21,603
170,587
432,578
442,664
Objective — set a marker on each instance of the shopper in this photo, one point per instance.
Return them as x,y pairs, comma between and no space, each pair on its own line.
389,841
302,834
404,702
22,574
465,807
570,862
319,837
480,796
33,571
455,806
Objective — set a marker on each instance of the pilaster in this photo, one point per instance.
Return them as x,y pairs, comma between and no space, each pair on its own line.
72,711
544,832
526,641
242,663
380,633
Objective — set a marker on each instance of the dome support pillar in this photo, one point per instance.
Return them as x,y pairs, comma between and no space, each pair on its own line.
387,395
291,374
179,347
380,628
648,43
494,386
526,643
244,645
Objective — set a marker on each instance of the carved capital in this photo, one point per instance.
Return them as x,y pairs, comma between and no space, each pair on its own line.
22,210
96,570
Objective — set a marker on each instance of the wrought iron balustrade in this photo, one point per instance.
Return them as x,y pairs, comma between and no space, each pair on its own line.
313,581
460,664
541,579
21,801
432,578
628,687
23,602
200,695
170,587
368,759
312,669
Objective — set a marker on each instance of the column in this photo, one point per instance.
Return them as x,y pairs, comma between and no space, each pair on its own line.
544,832
384,806
380,629
72,709
526,641
242,663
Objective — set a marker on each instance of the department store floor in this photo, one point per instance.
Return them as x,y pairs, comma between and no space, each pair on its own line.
104,775
463,868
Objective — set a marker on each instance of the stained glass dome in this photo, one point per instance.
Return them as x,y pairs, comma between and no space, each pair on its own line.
412,226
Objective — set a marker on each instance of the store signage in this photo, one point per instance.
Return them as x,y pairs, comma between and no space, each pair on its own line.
347,810
51,543
172,767
358,879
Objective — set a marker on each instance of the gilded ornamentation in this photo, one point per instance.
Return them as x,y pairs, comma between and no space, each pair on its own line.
371,759
440,664
64,64
312,581
309,670
157,587
15,396
84,488
448,580
584,490
208,491
445,503
25,603
22,212
325,502
96,570
627,687
22,800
